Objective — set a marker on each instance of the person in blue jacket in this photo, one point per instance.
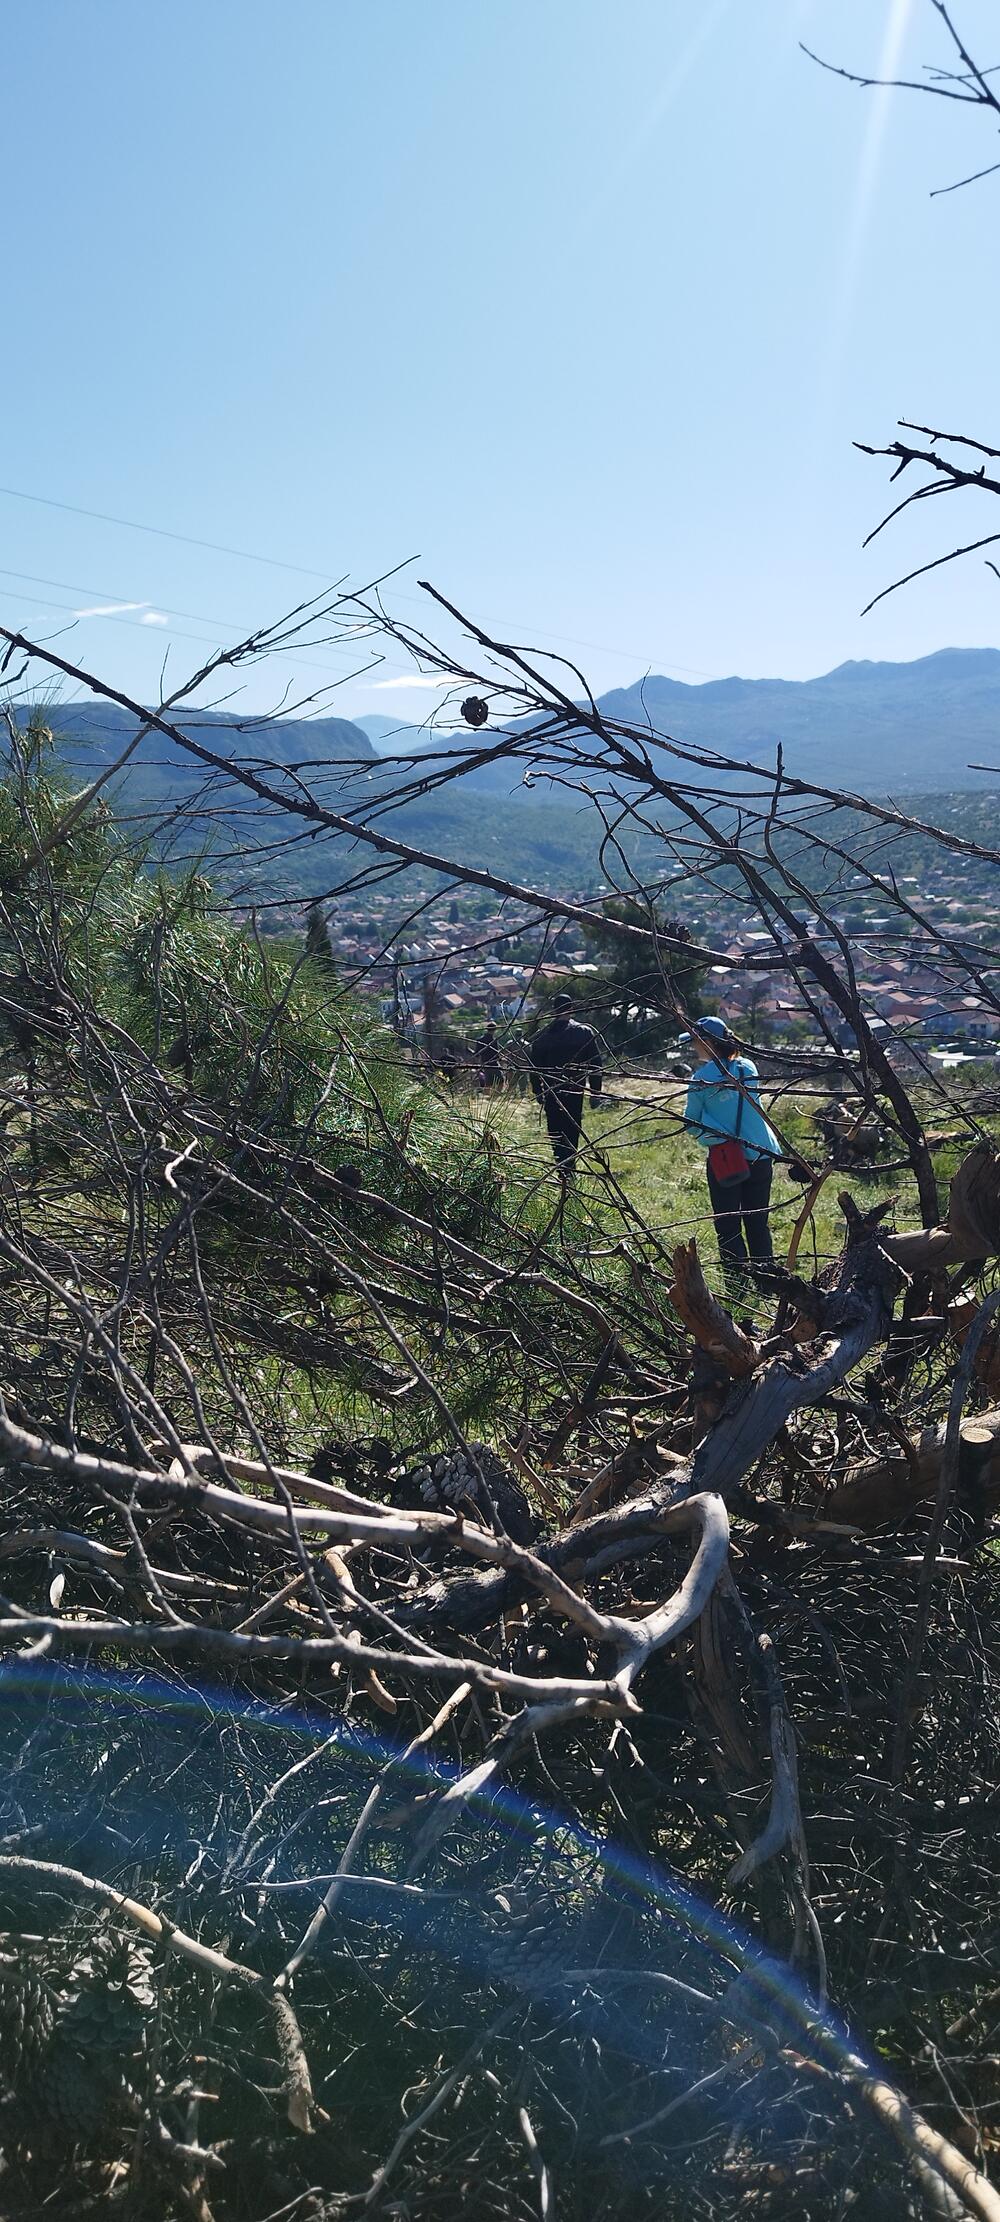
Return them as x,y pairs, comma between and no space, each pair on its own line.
723,1105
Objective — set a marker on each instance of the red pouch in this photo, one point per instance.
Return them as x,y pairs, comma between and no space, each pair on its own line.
728,1164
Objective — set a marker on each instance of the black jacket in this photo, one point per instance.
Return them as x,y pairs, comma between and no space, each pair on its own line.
564,1058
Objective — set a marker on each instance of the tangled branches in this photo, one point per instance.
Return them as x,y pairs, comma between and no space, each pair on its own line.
541,1723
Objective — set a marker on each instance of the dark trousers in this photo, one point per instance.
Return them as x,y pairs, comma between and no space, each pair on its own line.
741,1222
564,1119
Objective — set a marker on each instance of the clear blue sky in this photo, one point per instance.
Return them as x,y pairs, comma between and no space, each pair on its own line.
581,303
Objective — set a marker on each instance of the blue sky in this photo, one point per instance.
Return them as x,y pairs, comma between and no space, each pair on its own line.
580,304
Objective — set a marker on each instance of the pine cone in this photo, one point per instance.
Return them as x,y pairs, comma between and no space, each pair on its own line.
530,1956
27,2014
508,1497
73,2094
70,2046
452,1480
102,2020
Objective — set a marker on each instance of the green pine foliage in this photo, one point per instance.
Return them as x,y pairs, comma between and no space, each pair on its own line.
639,1005
174,1083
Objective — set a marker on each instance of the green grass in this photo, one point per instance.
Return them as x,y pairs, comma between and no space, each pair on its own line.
642,1179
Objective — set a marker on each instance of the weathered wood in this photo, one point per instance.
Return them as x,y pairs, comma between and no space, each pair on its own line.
888,1489
972,1231
986,1367
758,1410
852,1317
714,1330
856,1318
714,1694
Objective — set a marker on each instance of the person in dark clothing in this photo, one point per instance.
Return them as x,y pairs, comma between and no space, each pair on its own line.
488,1057
564,1059
741,1221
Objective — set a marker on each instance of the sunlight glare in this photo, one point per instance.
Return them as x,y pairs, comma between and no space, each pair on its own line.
869,167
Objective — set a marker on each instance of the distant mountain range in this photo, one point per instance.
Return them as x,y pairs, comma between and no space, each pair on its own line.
90,735
871,727
874,728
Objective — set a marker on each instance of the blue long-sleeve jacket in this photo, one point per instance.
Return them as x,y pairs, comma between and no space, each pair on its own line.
713,1113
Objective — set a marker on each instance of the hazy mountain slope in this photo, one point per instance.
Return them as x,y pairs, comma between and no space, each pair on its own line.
89,735
394,736
336,757
876,727
504,780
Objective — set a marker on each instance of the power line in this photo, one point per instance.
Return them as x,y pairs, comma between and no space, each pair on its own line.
39,601
201,640
118,615
199,617
627,655
103,594
275,563
215,547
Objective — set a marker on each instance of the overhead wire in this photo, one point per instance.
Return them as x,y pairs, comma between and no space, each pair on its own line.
186,539
278,563
172,632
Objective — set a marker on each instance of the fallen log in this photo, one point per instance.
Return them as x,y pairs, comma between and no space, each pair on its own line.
972,1231
888,1490
849,1319
855,1315
986,1366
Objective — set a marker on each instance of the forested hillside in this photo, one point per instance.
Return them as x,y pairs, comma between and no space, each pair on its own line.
535,830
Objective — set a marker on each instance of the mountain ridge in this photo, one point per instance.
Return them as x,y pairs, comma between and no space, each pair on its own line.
868,726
